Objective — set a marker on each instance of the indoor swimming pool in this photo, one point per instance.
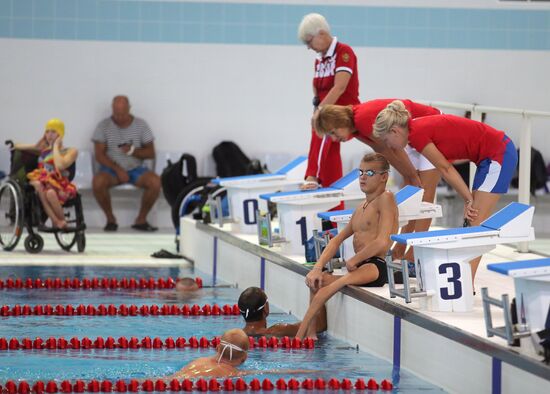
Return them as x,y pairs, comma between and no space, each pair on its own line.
330,358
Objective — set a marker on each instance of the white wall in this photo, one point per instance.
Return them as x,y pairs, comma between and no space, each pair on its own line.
196,95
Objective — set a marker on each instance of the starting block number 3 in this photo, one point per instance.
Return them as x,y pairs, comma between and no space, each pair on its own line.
452,272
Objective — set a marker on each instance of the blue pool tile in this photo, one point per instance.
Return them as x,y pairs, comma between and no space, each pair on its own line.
86,9
273,35
397,17
43,28
499,19
212,33
5,27
233,13
212,13
22,8
129,31
107,30
65,29
538,20
419,18
150,11
129,11
438,38
275,15
518,20
354,36
418,37
538,40
65,8
86,30
439,18
170,12
255,13
376,17
518,39
192,12
496,39
22,28
459,19
43,8
256,34
170,32
479,19
375,36
191,32
233,33
107,10
150,31
5,8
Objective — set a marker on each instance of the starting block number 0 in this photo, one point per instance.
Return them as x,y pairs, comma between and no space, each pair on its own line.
247,204
453,274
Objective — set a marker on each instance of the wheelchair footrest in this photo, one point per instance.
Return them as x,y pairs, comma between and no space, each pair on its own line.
68,229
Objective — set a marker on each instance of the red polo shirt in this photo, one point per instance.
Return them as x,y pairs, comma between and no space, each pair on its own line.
457,138
324,160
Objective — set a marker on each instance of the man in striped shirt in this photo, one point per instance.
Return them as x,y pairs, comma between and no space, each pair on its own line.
121,143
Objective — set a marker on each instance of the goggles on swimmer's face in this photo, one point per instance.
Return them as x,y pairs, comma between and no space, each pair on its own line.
370,173
247,310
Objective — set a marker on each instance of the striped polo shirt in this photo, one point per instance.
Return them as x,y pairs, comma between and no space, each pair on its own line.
138,134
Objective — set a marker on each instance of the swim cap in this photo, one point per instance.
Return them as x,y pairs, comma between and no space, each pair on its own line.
57,125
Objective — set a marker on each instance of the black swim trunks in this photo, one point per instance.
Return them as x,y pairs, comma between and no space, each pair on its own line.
380,263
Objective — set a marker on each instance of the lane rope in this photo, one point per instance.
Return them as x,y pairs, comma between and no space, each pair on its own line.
96,283
110,343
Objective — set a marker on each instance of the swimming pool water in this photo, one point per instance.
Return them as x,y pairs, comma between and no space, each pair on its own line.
330,358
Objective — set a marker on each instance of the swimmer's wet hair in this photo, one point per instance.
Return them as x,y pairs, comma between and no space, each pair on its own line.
395,114
311,25
251,304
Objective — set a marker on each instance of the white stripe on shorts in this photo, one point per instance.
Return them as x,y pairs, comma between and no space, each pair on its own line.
492,177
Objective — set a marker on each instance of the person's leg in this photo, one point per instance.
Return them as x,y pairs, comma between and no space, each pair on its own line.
319,322
58,218
101,184
485,202
365,274
150,183
429,179
43,200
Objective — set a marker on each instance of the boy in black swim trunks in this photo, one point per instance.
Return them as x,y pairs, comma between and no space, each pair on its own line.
371,225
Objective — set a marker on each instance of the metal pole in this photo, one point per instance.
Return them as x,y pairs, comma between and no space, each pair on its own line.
524,169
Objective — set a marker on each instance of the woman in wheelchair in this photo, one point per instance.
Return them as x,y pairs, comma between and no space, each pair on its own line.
50,180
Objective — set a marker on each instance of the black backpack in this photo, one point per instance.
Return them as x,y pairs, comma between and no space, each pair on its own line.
177,175
231,161
539,175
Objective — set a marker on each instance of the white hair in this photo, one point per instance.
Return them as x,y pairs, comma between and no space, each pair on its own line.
311,25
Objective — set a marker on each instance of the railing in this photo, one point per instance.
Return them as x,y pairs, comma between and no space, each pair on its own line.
524,143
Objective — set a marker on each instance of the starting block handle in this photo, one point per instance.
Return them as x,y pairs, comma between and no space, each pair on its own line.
265,235
320,241
407,292
506,331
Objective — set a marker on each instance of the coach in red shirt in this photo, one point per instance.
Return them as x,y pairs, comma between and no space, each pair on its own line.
335,81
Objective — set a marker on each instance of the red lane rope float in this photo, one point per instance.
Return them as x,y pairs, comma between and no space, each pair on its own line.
53,343
204,385
91,283
120,310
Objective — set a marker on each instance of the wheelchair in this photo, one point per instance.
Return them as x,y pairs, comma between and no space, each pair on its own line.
20,208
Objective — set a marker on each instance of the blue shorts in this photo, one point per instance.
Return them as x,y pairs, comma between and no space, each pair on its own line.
491,176
133,174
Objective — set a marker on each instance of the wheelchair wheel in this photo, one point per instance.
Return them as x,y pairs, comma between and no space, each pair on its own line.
11,215
66,240
80,241
34,243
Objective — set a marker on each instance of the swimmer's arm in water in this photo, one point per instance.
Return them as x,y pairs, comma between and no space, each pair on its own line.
283,329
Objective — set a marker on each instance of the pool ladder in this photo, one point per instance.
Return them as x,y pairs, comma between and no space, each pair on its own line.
320,242
510,331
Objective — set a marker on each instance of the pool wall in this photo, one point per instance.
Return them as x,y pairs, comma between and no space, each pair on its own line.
449,357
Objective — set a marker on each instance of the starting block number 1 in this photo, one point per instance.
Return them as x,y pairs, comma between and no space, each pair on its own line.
453,290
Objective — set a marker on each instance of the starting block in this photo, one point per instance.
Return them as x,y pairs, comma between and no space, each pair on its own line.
532,285
442,257
298,211
410,205
243,192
